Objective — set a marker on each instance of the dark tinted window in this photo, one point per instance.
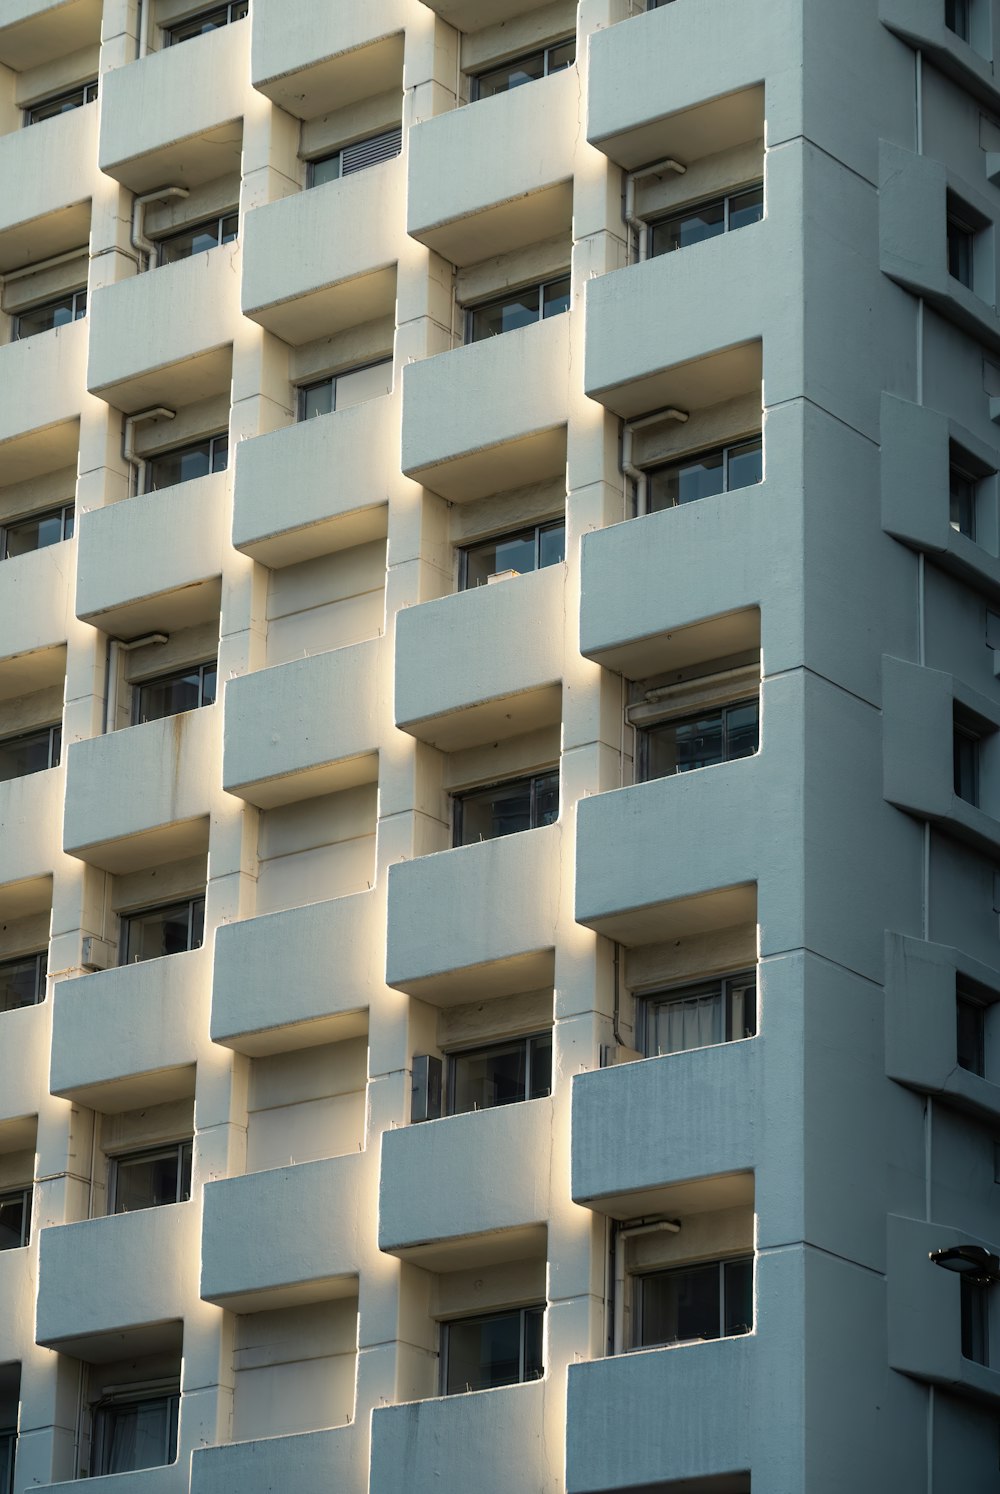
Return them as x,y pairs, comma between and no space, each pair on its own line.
720,735
704,474
506,808
15,1219
52,314
31,753
185,463
502,1074
173,693
171,929
37,532
503,1348
22,981
147,1179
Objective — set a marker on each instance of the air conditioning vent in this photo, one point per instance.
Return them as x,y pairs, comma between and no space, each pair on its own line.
370,152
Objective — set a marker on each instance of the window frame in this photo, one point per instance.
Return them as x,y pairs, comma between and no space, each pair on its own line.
966,761
135,914
472,309
54,750
974,1311
127,1399
725,985
218,221
8,1452
137,687
78,300
331,381
682,716
974,1009
483,1050
724,199
961,232
212,442
535,531
639,1278
183,1149
227,6
26,1195
393,136
41,959
534,1308
475,79
462,796
726,451
87,90
959,473
958,19
64,512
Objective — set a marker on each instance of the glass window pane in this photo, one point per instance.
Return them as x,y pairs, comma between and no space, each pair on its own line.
170,696
220,453
685,482
552,545
138,1435
62,105
975,1322
960,252
692,226
54,314
546,810
28,754
209,678
555,296
962,502
15,1220
965,755
540,1059
147,1182
516,553
316,400
562,56
192,241
326,170
534,1322
22,982
956,17
197,923
684,1022
745,465
746,207
742,1009
677,1306
737,1285
36,533
519,310
510,75
230,228
360,384
484,1352
483,1080
742,730
159,931
179,466
492,812
69,523
971,1035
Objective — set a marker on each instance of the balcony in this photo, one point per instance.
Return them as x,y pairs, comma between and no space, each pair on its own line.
341,55
165,337
141,797
920,23
23,1051
482,1179
247,1268
333,1459
483,664
175,115
305,944
649,80
130,1036
107,1275
44,382
36,615
445,937
474,15
35,32
489,416
29,812
315,516
50,174
16,1289
467,214
344,270
281,743
175,540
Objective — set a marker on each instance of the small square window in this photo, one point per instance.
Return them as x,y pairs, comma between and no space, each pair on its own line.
500,1348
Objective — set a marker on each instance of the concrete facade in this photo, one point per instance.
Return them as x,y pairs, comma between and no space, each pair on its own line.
283,1308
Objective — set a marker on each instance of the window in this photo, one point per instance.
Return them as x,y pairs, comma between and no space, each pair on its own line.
50,314
506,808
706,220
704,474
717,1011
962,500
15,1218
356,157
686,1304
185,463
975,1314
971,1032
205,21
31,753
170,929
961,241
965,757
553,59
517,309
133,1431
61,103
502,1074
22,981
8,1445
499,1348
957,17
147,1179
198,238
36,532
527,550
351,387
170,694
720,734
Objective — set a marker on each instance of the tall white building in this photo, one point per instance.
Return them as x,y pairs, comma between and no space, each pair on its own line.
499,746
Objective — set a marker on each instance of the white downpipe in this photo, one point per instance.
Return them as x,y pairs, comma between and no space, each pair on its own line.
135,462
630,471
140,243
657,1227
636,225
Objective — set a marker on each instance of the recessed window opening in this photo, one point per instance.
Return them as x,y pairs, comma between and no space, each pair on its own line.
22,981
356,157
49,315
958,18
691,1304
525,550
198,238
31,752
498,1348
533,65
723,469
170,694
970,1013
36,531
61,103
184,463
961,236
171,928
507,808
207,20
706,220
516,309
700,1016
500,1074
680,744
15,1218
975,1318
340,391
135,1429
962,490
152,1177
8,1446
965,757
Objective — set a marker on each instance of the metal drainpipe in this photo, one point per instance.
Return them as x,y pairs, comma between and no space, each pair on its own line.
621,1236
657,168
143,246
138,466
117,647
635,473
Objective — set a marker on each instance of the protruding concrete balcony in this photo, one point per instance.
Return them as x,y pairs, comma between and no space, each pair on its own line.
344,270
483,664
36,614
48,211
303,728
177,539
141,797
478,920
34,32
252,1014
108,1275
471,1187
474,15
29,813
316,516
22,1059
334,59
43,379
246,1269
16,1296
629,1168
165,337
467,214
466,1442
489,416
333,1458
130,1036
682,82
175,116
